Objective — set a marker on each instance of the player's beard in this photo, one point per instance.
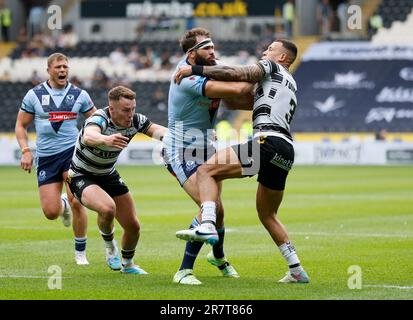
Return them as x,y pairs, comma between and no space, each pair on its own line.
204,62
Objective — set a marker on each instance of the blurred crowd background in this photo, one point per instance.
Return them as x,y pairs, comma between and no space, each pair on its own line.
136,43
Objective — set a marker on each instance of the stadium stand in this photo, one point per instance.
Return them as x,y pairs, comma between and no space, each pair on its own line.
104,48
146,66
397,22
148,102
394,10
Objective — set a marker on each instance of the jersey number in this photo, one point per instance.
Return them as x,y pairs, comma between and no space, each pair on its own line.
290,114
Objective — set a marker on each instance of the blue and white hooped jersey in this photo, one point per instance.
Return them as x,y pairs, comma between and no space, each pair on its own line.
55,114
191,115
100,160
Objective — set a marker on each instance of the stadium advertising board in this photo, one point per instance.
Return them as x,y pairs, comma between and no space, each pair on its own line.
176,8
326,153
337,153
356,88
400,156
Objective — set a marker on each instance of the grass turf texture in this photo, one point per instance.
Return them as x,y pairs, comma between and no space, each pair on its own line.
336,216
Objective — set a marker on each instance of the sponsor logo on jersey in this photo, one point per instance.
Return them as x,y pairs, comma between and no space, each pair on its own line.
70,98
57,116
45,100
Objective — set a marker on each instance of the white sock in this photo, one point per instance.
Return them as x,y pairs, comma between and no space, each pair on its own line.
110,242
127,262
288,252
208,212
127,257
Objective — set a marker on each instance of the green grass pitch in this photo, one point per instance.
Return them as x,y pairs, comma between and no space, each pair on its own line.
337,217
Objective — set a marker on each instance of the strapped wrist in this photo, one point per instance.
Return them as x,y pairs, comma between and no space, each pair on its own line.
25,149
198,70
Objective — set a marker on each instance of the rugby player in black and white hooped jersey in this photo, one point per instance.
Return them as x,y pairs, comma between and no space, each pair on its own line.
94,180
270,153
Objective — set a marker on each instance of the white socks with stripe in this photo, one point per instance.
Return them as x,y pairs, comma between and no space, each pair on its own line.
288,252
208,214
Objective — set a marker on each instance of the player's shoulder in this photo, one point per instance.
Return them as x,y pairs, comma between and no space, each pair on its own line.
139,119
269,66
77,89
183,62
32,93
37,88
104,112
100,117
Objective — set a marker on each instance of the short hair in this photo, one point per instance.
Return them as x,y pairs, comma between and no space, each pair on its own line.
121,92
56,56
189,38
290,47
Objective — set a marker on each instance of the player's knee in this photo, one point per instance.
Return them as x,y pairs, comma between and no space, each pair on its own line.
108,211
51,213
203,171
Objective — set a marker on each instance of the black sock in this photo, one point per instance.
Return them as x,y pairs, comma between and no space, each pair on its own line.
80,244
191,250
218,248
127,256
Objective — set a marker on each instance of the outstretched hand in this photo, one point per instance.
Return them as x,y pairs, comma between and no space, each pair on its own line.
117,140
183,72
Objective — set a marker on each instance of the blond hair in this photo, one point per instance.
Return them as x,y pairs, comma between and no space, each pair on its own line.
56,56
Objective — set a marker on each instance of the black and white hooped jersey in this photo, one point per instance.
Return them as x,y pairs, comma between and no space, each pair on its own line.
275,101
101,159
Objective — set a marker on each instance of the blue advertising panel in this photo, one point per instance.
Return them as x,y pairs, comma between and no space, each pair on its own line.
350,95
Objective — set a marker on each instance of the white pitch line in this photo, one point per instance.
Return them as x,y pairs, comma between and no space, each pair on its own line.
330,234
27,228
303,233
388,286
353,234
14,276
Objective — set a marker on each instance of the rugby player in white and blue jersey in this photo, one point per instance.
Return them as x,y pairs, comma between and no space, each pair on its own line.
192,109
94,180
55,106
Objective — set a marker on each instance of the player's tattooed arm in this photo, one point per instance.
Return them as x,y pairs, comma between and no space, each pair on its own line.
252,73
